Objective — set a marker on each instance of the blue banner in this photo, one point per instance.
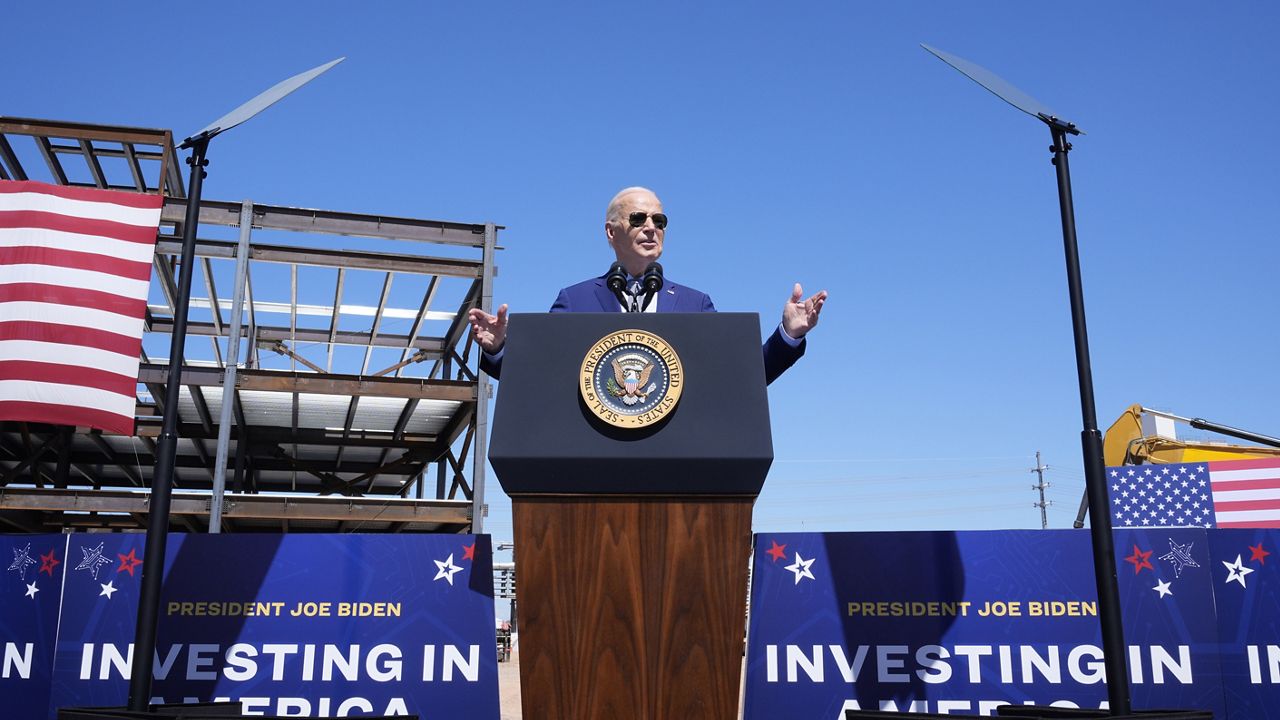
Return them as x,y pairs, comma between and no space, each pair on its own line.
29,594
290,625
961,622
1167,603
1246,587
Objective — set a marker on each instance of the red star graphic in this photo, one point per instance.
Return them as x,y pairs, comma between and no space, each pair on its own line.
777,552
469,552
1258,554
49,562
128,562
1140,560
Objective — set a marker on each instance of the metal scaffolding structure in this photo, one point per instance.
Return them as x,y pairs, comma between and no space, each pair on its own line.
327,389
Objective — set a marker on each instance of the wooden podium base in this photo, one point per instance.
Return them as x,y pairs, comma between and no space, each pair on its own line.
631,607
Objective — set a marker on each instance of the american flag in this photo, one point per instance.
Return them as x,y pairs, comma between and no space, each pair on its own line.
75,265
1230,493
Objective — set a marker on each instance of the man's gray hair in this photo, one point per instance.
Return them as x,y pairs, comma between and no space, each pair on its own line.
614,211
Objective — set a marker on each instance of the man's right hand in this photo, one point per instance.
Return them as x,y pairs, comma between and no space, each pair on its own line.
489,331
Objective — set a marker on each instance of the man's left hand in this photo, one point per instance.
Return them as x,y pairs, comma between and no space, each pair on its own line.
799,317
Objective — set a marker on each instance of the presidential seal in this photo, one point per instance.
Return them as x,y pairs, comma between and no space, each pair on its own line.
631,379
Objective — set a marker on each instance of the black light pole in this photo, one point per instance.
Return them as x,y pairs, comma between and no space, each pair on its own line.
1104,562
1095,481
144,643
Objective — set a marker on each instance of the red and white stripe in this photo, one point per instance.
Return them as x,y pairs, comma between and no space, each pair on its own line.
75,266
1246,493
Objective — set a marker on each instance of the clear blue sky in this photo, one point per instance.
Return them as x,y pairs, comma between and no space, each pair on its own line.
812,142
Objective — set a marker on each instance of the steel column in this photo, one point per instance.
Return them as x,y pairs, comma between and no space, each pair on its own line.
229,372
481,446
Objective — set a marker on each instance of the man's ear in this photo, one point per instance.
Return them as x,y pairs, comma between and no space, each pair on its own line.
608,232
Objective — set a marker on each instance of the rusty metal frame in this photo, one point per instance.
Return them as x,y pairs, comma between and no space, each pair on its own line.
294,455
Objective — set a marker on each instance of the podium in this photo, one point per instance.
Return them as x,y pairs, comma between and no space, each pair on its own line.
631,543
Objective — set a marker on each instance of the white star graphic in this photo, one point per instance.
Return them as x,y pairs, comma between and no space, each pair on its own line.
447,569
32,590
22,560
108,589
1162,587
801,568
93,560
1236,571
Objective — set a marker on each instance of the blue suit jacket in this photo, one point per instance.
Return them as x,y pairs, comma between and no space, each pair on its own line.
592,296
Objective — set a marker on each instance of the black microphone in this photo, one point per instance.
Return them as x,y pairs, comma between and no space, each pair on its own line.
651,280
616,281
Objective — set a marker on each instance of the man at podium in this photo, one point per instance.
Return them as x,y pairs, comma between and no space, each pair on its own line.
635,227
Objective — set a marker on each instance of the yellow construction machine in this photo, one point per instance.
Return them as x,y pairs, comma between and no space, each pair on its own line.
1142,436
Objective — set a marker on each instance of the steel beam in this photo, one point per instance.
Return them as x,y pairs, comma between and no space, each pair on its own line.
202,408
377,320
214,307
346,430
95,167
135,168
433,346
331,384
281,349
30,460
51,159
337,313
110,454
428,297
85,131
275,217
149,427
10,159
241,507
317,257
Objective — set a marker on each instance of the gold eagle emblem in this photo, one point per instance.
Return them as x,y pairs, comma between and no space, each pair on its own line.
629,381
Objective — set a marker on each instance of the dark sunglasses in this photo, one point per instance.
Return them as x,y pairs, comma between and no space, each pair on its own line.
637,219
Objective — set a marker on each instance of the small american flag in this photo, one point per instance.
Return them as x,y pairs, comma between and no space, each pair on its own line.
75,266
1231,493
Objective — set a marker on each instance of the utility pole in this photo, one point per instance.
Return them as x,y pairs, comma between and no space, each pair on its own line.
1039,470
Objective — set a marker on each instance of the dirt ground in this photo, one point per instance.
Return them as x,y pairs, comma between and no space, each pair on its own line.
509,687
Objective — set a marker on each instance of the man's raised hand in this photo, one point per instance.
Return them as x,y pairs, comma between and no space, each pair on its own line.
799,317
490,331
